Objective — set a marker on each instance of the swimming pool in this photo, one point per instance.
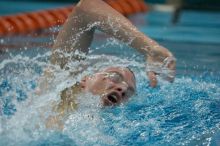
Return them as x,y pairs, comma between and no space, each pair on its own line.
186,112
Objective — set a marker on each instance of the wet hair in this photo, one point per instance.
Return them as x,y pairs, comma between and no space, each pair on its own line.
132,73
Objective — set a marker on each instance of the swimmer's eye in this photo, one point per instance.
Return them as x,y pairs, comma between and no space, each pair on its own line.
115,77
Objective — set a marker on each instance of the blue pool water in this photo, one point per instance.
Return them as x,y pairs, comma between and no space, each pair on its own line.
186,112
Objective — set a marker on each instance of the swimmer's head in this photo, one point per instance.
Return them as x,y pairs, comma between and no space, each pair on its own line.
114,84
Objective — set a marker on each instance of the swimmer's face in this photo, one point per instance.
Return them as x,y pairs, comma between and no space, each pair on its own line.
114,84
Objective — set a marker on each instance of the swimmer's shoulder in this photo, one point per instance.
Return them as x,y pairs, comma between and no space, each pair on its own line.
68,101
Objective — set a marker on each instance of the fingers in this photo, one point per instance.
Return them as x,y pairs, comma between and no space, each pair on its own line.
169,68
168,76
165,69
172,65
172,68
169,79
153,79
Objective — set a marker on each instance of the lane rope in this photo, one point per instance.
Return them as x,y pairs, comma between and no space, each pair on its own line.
32,21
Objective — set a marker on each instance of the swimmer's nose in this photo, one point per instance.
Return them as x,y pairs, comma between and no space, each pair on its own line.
122,90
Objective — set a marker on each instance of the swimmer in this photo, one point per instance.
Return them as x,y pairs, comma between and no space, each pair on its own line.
77,33
114,84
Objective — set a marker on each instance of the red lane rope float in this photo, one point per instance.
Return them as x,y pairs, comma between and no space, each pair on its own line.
18,26
143,6
38,21
26,22
5,26
115,5
126,7
135,5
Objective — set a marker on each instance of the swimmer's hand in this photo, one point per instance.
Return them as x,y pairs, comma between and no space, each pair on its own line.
160,62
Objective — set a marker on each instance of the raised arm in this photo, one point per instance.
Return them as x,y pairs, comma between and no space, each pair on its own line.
88,15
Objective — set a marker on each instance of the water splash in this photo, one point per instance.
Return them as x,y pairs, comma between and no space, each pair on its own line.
184,113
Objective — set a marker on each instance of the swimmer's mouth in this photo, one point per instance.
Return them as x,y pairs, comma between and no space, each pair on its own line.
111,99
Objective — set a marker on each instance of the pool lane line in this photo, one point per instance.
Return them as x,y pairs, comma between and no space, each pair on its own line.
27,22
